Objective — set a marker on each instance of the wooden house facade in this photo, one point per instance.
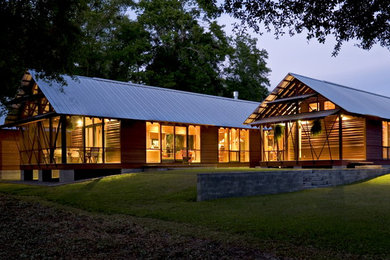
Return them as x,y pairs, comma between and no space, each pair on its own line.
306,122
90,126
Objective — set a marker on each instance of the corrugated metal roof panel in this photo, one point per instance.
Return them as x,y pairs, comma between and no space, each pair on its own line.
114,99
350,99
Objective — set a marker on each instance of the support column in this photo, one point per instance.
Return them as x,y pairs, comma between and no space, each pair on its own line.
26,175
44,175
340,137
67,175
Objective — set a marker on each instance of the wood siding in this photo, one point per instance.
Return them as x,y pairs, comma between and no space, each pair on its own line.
354,138
209,144
9,152
254,147
374,139
133,142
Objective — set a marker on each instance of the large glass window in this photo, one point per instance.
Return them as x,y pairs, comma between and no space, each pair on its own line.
153,142
233,145
112,141
42,141
74,139
223,145
93,140
194,143
386,140
167,143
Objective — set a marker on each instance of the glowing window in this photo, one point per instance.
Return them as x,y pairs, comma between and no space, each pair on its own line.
152,142
313,107
329,105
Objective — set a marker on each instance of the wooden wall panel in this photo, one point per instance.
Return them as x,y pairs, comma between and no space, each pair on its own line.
354,138
254,147
374,139
209,144
9,152
133,141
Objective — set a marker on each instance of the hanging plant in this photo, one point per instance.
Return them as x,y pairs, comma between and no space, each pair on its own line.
278,131
316,128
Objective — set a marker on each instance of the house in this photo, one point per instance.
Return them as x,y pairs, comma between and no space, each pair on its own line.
93,125
306,122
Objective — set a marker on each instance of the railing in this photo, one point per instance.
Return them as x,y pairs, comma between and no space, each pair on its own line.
274,155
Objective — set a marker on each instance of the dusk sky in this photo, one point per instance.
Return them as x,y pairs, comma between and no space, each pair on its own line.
353,67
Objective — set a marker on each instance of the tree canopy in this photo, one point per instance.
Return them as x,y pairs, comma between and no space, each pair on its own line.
42,34
166,43
366,21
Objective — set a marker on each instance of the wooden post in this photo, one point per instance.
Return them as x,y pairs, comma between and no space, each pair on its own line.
340,137
63,139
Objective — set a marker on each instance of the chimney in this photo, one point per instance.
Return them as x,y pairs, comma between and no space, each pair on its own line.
235,94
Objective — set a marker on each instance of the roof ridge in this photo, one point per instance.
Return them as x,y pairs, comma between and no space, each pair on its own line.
342,86
168,89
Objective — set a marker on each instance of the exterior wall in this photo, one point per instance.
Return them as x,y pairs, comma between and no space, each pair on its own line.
9,154
223,185
133,143
209,144
254,147
374,139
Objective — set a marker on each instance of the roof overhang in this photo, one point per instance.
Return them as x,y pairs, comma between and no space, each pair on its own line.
295,117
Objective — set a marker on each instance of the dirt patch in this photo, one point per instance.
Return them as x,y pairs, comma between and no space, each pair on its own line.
32,230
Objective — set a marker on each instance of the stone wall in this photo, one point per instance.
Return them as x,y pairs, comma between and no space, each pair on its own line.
238,184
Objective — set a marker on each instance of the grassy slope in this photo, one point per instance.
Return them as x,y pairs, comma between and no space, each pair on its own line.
353,219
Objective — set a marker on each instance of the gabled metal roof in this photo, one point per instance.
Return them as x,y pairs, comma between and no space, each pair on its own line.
115,99
352,100
349,99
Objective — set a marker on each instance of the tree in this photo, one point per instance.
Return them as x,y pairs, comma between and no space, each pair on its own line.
247,71
42,34
366,21
184,54
113,46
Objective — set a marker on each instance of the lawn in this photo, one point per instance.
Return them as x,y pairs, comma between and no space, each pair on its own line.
352,219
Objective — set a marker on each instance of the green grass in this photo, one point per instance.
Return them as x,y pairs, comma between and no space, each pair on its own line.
347,219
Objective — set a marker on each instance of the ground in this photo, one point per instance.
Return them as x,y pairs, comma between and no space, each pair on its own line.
31,230
351,221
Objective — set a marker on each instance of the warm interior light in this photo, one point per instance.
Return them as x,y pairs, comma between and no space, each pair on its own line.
79,123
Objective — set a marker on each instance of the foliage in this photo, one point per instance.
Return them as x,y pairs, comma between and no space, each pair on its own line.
366,21
247,71
43,35
316,128
184,55
170,43
278,131
351,219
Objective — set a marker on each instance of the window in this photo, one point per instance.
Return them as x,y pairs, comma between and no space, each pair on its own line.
167,143
244,145
233,145
313,107
386,140
152,142
112,141
194,143
86,140
329,105
223,145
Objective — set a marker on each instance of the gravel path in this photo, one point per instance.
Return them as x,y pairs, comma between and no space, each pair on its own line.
32,230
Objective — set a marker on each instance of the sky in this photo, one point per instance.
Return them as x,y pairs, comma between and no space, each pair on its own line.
353,67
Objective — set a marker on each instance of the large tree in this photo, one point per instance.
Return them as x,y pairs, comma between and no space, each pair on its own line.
185,54
366,21
41,34
247,71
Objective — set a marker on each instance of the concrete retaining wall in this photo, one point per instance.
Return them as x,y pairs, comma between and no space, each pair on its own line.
223,185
